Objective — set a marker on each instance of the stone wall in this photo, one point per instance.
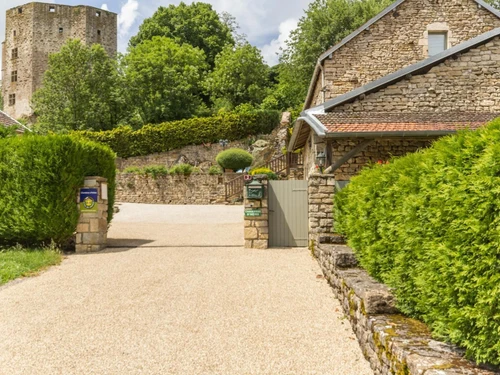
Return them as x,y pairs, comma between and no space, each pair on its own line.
38,29
399,39
257,227
321,188
392,343
469,82
194,189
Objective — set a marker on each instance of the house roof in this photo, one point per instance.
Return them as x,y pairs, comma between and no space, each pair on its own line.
364,27
7,121
310,116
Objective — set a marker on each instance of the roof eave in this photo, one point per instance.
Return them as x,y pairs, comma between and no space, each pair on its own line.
391,134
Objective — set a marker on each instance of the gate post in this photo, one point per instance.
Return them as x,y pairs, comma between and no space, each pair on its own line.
257,217
321,188
92,229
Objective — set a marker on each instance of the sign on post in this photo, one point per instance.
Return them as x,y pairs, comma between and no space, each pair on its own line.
88,199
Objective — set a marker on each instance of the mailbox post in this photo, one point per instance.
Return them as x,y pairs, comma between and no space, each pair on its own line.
256,213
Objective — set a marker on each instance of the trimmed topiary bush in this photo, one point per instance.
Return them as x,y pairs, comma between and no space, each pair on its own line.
428,225
40,177
234,158
270,174
176,134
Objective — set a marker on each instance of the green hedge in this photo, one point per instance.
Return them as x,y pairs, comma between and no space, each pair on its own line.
176,134
428,225
40,177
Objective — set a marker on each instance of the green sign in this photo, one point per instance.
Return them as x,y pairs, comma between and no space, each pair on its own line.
253,212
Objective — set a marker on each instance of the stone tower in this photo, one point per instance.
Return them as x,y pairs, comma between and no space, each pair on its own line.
35,30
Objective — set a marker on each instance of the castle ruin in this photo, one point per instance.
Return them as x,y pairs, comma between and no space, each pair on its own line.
35,30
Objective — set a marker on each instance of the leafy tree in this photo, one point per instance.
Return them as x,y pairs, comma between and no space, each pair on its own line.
240,76
495,3
325,23
81,90
164,79
196,24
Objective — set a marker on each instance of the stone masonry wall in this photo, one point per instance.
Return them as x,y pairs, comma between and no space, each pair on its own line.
38,29
399,39
257,227
392,343
321,188
381,149
195,189
469,82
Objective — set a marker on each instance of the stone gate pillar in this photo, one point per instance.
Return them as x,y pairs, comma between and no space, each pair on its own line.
321,188
92,229
257,217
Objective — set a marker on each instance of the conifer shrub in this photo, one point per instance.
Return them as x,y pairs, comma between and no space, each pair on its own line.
167,136
40,177
234,158
428,225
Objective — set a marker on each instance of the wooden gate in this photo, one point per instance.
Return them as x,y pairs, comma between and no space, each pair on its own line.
288,214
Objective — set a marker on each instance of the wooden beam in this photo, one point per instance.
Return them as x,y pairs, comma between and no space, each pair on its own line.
355,151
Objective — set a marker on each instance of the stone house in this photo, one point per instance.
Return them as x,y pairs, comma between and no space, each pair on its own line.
419,70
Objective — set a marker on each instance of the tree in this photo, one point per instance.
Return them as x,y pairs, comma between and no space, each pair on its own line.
81,90
325,23
164,79
196,24
240,76
494,3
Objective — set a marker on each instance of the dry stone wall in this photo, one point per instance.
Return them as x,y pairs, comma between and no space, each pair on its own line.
195,189
392,343
399,39
468,83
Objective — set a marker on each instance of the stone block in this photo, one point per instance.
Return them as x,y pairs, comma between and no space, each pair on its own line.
260,224
251,233
82,227
248,244
260,244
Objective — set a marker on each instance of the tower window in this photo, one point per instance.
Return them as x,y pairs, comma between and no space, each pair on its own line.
61,30
15,53
99,32
13,76
19,10
438,42
12,99
52,9
98,13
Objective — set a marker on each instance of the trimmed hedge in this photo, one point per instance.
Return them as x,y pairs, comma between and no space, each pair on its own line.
176,134
262,170
234,158
428,225
40,177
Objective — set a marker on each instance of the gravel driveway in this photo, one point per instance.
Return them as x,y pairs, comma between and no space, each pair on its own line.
188,300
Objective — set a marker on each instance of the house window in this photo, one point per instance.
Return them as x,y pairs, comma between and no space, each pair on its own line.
52,9
61,30
438,42
12,99
15,53
14,32
98,14
99,32
13,76
19,10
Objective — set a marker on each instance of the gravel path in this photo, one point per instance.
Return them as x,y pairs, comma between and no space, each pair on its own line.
177,307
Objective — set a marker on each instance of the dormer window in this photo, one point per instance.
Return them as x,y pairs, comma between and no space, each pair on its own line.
438,42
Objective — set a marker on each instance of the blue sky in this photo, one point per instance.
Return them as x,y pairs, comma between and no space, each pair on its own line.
267,23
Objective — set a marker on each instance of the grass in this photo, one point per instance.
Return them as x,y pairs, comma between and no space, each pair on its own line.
19,262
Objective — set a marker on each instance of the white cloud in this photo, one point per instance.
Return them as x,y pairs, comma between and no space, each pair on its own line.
104,7
271,51
127,17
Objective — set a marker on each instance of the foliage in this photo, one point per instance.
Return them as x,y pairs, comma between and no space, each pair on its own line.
214,170
182,169
270,174
171,135
135,170
196,24
494,3
325,23
164,79
7,131
240,76
234,158
155,171
82,90
40,179
18,262
428,225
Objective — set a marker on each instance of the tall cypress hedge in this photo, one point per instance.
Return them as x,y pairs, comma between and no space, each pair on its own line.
428,225
39,181
176,134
